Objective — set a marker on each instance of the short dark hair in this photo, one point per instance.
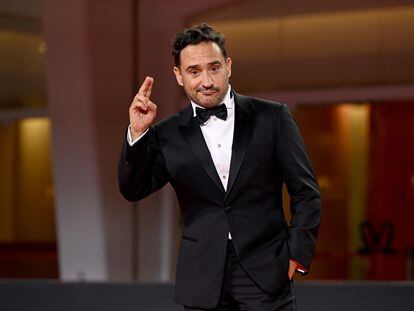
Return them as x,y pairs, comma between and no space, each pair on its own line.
194,36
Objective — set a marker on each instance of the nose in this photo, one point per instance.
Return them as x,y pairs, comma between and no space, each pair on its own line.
207,81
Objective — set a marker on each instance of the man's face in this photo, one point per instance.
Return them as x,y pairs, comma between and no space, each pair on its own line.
204,73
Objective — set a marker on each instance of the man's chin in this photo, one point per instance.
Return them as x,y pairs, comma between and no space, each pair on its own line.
208,102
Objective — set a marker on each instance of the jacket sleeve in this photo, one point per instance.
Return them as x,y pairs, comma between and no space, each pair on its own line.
301,183
141,167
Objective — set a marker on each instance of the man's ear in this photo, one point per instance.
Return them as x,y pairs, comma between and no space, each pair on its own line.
178,76
228,65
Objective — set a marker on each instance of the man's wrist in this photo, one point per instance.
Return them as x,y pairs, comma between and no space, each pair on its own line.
130,139
136,134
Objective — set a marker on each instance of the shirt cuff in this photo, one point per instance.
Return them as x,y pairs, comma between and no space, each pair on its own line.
299,268
129,136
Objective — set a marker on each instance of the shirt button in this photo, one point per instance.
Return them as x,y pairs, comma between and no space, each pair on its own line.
224,176
227,209
219,145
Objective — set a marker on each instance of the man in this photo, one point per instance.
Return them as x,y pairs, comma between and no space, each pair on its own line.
227,156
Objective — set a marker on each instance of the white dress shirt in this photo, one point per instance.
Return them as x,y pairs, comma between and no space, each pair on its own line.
218,135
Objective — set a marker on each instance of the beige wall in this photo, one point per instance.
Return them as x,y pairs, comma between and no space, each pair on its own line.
35,217
26,198
322,49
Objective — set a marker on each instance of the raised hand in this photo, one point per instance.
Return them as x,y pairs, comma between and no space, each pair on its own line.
142,111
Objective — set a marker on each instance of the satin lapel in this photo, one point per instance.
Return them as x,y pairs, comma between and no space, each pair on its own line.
243,128
191,132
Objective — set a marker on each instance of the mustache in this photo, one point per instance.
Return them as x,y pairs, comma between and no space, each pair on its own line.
203,89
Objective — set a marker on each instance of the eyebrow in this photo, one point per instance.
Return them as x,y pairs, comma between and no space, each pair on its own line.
216,62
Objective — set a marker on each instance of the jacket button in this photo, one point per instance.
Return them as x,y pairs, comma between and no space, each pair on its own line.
227,209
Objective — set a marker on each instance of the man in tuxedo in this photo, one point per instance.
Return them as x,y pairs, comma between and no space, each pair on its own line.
226,156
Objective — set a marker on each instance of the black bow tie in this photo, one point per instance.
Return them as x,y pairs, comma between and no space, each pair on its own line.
203,115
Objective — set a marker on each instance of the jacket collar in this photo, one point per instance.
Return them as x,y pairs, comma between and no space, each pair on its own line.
243,128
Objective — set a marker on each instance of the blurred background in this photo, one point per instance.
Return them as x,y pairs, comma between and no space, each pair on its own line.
69,70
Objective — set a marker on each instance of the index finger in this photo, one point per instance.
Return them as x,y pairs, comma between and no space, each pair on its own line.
149,89
146,87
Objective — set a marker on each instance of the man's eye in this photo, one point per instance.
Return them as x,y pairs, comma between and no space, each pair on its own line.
194,73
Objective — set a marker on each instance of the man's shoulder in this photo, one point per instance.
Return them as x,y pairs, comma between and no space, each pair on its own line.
259,104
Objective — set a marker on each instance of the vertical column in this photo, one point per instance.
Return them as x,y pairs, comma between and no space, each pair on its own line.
89,89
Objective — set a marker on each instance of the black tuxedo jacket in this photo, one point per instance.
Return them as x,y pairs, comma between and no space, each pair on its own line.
267,151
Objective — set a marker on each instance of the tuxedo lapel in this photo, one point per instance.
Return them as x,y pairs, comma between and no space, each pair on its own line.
191,132
243,128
